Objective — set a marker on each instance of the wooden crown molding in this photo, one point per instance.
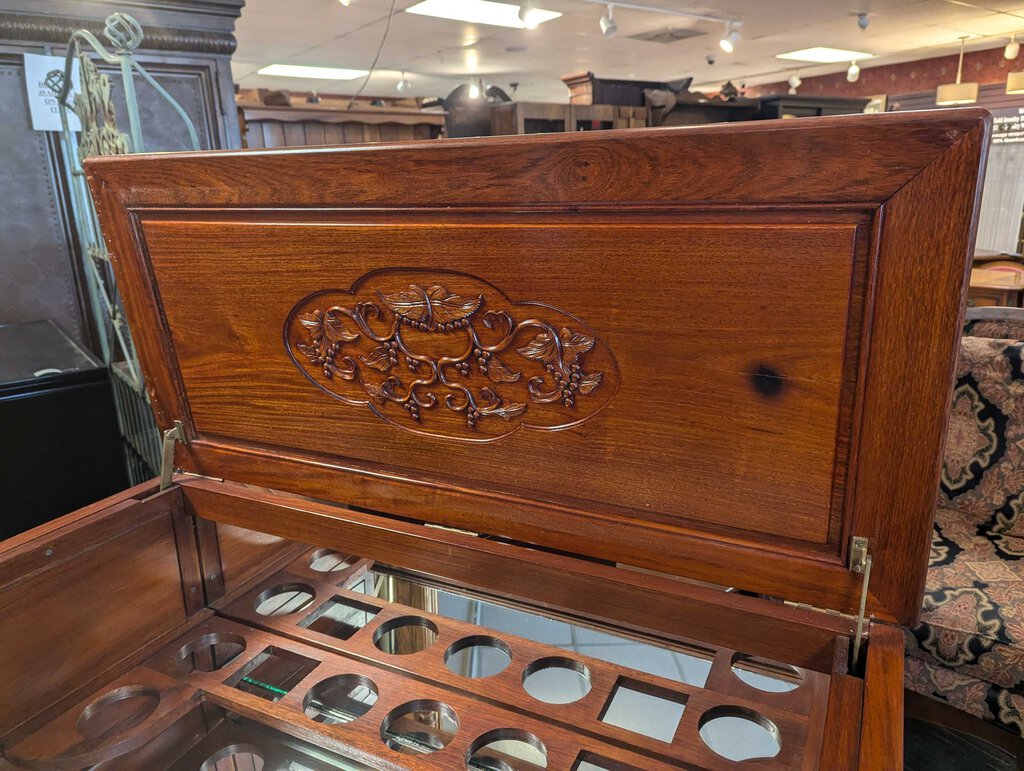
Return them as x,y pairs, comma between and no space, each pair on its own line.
50,29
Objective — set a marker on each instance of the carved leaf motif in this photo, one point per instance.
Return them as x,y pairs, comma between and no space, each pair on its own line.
505,411
590,382
375,391
378,359
574,344
499,372
311,352
336,331
435,305
542,348
312,323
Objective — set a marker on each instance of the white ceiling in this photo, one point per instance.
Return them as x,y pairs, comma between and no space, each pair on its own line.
438,54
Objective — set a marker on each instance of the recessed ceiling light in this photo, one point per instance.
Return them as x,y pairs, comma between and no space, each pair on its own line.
481,12
824,55
313,73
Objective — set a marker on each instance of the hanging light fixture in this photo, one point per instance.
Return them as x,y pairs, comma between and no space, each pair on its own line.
731,38
607,23
794,82
959,92
403,85
853,73
1015,83
1012,49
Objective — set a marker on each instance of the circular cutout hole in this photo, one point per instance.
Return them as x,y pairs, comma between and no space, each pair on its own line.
209,652
235,756
340,699
478,656
507,749
765,675
405,635
736,733
419,727
328,561
556,680
118,711
284,599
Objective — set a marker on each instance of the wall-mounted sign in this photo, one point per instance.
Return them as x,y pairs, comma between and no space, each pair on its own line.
1008,126
42,101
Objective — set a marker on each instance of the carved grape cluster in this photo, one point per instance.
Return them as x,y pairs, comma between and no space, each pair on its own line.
483,359
391,347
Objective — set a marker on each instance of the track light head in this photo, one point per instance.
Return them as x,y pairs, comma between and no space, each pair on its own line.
794,82
732,37
607,23
853,74
528,15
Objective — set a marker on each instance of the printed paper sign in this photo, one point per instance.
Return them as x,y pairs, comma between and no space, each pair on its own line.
42,101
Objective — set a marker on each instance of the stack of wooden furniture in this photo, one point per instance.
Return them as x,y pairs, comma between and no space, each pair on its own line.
282,119
453,360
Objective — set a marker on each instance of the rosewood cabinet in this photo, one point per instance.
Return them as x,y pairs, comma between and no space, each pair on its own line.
499,374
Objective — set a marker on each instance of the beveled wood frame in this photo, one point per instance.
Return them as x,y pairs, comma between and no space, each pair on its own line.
913,193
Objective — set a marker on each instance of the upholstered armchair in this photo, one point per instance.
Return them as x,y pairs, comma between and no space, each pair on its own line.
968,649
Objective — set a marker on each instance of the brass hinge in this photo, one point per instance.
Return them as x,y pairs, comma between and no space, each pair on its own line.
171,435
860,562
816,609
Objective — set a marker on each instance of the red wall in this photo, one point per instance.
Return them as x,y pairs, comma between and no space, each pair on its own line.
907,78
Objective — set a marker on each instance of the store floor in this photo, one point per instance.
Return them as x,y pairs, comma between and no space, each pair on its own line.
931,748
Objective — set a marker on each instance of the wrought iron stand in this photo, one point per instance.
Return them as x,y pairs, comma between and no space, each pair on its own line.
100,135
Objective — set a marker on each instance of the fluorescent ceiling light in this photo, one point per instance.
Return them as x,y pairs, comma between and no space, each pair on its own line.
481,12
313,73
824,55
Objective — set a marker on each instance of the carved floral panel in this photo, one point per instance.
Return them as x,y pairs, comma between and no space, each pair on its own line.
449,355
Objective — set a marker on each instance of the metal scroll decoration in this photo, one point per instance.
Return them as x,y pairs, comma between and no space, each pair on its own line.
449,355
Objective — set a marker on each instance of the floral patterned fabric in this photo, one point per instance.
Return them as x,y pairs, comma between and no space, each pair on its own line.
1001,328
968,648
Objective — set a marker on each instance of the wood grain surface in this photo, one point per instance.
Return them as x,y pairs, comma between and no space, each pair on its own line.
773,309
881,741
110,585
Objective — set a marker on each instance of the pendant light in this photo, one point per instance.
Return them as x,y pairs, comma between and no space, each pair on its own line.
1012,50
403,85
1015,83
957,93
853,73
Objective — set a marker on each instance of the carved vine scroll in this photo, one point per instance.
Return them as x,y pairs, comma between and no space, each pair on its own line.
450,356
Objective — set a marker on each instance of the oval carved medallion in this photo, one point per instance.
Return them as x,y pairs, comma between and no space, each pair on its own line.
449,355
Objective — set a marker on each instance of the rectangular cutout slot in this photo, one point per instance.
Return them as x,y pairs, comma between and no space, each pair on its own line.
644,709
272,673
339,617
588,761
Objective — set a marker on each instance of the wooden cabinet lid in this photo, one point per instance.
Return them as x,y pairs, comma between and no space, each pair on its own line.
718,352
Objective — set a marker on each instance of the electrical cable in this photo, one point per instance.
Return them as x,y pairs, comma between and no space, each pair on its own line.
380,49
